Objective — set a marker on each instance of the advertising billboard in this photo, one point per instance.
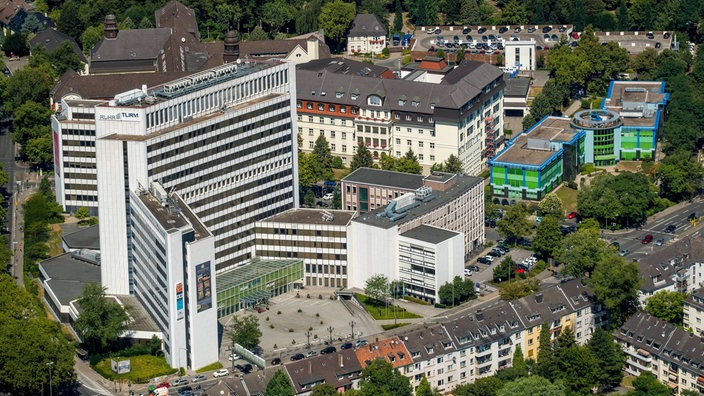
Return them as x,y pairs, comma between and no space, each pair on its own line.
204,298
179,301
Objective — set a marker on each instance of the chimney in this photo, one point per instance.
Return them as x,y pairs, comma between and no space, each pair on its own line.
539,298
342,363
231,43
312,48
110,27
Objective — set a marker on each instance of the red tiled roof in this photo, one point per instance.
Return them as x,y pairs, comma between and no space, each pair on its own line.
391,349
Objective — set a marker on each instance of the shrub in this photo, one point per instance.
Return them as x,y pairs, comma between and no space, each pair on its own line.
300,310
308,295
416,300
278,312
393,326
571,184
439,305
290,330
267,318
317,315
271,326
320,296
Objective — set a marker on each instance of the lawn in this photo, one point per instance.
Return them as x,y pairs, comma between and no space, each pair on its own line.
380,312
568,197
143,368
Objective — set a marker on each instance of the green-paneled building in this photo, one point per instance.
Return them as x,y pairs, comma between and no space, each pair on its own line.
254,283
625,128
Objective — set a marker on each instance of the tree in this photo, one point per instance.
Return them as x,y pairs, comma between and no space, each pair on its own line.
323,157
16,44
64,58
279,385
679,176
30,342
469,12
647,384
31,24
580,251
70,21
245,331
27,84
409,163
502,272
515,223
324,389
666,305
362,158
548,237
39,152
610,358
258,34
424,388
380,378
533,385
82,214
576,366
398,17
377,288
90,37
615,284
551,205
623,16
510,291
307,16
423,12
337,199
335,18
277,14
518,362
457,292
514,13
307,169
452,165
546,364
487,386
102,321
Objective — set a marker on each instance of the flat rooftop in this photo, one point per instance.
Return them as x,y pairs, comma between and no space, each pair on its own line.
636,42
174,215
86,238
378,177
639,121
442,198
516,86
312,216
67,276
636,91
519,153
429,234
554,129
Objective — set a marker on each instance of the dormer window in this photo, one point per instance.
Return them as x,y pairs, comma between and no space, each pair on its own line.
312,92
401,102
322,93
339,94
354,96
299,104
415,103
309,106
432,105
321,106
374,100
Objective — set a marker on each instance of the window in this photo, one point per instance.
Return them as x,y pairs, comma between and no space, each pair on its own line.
322,132
343,110
420,131
415,103
344,148
398,153
344,122
332,134
398,129
420,144
398,141
332,147
331,108
344,134
420,157
409,143
309,106
321,107
300,130
432,145
310,132
310,144
432,157
332,121
310,118
321,120
373,100
409,130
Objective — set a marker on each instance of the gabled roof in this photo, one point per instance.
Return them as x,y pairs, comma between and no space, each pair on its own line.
366,25
390,349
337,369
659,268
484,326
131,44
344,66
546,306
51,39
10,8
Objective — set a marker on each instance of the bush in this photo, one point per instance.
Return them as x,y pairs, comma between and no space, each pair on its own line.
290,330
337,163
485,174
571,184
415,300
439,305
278,312
588,168
320,296
271,326
300,310
393,326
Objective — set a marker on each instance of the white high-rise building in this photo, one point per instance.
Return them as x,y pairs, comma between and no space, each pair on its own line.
221,139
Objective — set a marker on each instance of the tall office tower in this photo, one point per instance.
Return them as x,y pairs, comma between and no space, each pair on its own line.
222,139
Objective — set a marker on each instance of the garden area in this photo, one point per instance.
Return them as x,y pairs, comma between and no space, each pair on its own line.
143,368
381,311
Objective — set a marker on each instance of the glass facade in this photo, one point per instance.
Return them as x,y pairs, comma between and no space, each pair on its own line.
255,283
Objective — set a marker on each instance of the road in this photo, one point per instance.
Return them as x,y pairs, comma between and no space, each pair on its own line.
655,226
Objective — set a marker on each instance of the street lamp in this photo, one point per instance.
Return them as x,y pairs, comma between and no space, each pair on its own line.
232,356
51,389
352,323
330,329
308,335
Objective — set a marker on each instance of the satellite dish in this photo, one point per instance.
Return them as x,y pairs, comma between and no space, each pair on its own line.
239,61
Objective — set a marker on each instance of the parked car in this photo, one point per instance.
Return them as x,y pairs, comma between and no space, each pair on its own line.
473,268
531,29
670,228
660,241
666,35
199,377
221,373
164,385
495,253
360,343
297,356
275,361
503,29
547,29
346,345
650,35
466,30
180,381
575,35
504,249
234,357
572,215
658,45
185,391
647,239
624,252
328,350
481,30
485,260
517,30
616,245
311,354
468,272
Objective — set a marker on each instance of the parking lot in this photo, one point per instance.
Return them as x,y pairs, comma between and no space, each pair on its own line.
470,36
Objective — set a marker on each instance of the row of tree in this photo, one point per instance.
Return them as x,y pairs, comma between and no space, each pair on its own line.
40,210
